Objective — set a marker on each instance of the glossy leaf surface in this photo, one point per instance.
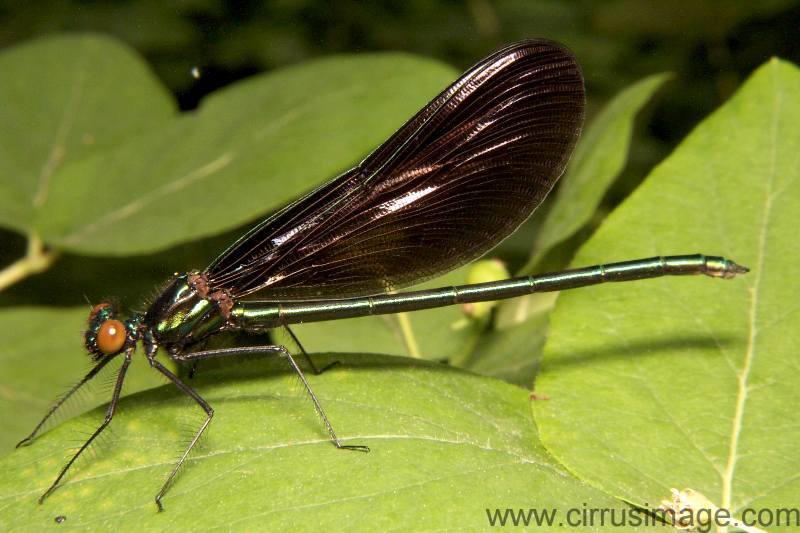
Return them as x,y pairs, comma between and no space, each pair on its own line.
691,383
269,135
457,442
61,103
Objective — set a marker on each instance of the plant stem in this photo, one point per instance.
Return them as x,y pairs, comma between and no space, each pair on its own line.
407,333
36,260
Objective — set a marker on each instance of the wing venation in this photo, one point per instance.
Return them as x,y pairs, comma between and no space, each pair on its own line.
456,179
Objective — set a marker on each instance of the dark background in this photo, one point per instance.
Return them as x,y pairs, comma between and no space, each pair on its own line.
711,46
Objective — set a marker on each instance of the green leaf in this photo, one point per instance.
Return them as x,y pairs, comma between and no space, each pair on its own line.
249,149
598,160
445,445
692,383
41,357
64,98
513,353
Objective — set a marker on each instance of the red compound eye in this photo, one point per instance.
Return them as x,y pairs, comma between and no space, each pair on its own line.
111,337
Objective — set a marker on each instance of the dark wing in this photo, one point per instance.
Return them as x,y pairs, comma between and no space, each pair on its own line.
455,180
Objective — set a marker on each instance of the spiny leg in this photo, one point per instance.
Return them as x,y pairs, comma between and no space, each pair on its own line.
186,389
92,373
112,407
308,357
273,349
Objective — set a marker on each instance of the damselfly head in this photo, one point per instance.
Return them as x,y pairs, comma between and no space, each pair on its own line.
105,333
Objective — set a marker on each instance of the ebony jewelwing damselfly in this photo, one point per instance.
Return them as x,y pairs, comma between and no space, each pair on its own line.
455,180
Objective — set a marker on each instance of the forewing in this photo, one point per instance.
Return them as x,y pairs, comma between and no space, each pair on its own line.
447,187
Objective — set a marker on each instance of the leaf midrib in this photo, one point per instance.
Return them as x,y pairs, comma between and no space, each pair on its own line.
743,376
58,150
